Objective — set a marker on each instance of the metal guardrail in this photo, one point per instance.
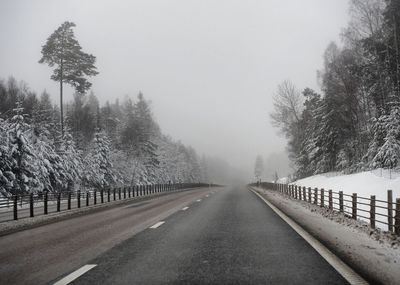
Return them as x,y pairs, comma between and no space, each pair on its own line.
41,201
370,209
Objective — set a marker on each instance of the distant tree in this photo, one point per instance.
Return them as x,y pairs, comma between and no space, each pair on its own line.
72,64
259,167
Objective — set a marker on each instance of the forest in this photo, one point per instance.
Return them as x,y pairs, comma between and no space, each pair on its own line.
116,143
354,123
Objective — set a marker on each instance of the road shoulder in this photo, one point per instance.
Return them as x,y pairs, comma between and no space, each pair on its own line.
375,260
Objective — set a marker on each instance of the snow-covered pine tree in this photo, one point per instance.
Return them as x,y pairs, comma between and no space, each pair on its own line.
388,155
7,177
99,160
23,164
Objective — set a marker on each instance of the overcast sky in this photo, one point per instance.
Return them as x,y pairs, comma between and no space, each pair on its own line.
209,67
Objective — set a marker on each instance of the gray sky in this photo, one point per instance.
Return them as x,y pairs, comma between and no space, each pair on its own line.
210,67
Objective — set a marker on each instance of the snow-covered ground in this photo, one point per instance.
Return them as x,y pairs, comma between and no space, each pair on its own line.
365,184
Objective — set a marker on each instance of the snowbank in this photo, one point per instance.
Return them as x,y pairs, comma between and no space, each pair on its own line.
365,184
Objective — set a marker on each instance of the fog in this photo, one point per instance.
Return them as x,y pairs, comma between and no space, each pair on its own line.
210,68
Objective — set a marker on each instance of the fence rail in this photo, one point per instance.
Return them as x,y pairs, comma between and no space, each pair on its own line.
46,202
370,209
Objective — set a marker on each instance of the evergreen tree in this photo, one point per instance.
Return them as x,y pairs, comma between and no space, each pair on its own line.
72,64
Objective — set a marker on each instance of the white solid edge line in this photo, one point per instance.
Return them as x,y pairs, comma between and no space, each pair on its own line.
156,225
72,276
349,274
185,208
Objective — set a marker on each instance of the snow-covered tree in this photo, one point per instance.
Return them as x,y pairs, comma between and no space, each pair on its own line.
23,160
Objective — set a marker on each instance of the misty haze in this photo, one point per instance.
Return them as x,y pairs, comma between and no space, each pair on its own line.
199,142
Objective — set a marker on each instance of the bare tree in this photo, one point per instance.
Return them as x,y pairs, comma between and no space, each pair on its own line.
288,105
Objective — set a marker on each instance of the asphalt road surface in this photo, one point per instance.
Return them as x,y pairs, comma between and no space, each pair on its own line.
43,254
230,237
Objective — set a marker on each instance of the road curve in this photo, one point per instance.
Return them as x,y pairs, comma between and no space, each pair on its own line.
230,237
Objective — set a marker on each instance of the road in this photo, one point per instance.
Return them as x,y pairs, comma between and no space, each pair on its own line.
230,237
42,254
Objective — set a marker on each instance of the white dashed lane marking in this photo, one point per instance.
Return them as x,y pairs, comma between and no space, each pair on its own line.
185,208
157,225
198,200
71,277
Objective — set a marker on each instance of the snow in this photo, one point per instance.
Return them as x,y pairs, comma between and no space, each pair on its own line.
365,184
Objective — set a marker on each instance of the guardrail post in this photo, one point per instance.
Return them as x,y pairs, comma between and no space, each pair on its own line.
95,197
390,210
341,208
354,206
15,205
31,204
322,197
87,198
330,200
45,199
58,201
69,200
78,194
316,196
397,218
372,211
309,194
304,194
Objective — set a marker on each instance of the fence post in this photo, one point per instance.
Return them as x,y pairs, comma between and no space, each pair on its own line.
31,204
69,201
309,194
133,190
58,201
316,196
330,200
397,217
102,196
15,202
95,197
322,197
341,208
45,199
87,198
114,194
390,210
304,194
78,193
119,193
372,212
354,206
124,192
295,192
129,191
108,195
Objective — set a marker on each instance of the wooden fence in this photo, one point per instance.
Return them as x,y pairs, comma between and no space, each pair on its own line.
76,199
370,209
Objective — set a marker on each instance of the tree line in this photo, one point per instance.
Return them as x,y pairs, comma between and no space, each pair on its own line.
116,143
354,124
